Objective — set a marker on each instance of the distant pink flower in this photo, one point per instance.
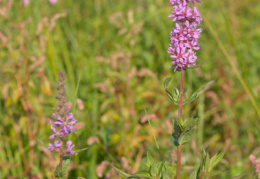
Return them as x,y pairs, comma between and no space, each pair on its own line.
92,140
146,72
256,163
26,3
53,1
80,104
148,116
101,167
124,162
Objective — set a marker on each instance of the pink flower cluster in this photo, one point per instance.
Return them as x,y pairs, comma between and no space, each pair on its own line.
256,163
62,128
184,37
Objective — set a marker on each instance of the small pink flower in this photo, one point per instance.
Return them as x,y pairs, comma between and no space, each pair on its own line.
101,167
53,1
26,3
92,140
256,163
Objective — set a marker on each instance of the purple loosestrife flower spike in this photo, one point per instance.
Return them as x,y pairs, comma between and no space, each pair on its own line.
184,37
62,121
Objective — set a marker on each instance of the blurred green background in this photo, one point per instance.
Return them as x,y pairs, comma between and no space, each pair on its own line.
115,56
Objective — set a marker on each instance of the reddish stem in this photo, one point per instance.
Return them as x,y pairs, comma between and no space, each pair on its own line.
203,173
178,175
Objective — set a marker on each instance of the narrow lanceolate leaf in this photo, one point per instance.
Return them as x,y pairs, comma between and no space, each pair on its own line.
121,173
207,162
180,123
196,94
193,122
186,136
189,131
161,165
150,160
166,84
216,159
80,150
172,97
153,170
199,65
193,175
141,175
176,94
240,176
61,173
45,145
214,173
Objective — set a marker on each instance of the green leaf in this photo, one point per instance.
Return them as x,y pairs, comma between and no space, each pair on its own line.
193,175
207,162
61,173
153,170
176,94
80,150
193,122
170,169
166,84
199,65
214,173
189,131
142,174
45,145
216,159
240,176
121,173
161,165
179,124
150,160
186,136
196,94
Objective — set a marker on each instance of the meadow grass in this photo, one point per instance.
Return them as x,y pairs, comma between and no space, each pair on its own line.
115,56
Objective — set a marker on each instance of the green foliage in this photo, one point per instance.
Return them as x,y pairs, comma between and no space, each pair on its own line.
206,166
80,150
196,94
41,142
121,173
157,170
174,96
61,173
215,160
141,175
189,131
149,159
